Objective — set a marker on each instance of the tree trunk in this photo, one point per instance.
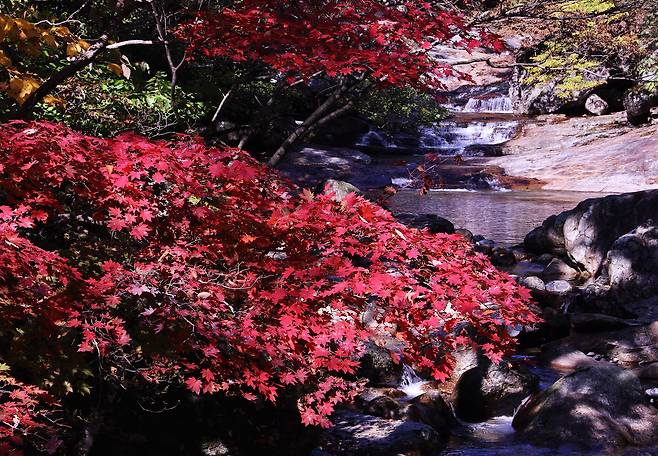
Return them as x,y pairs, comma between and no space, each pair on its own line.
27,108
310,121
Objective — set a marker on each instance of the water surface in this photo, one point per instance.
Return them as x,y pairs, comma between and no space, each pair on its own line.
503,216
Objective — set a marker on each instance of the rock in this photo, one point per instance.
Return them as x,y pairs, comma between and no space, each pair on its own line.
214,448
533,283
565,359
558,287
544,259
631,265
595,322
378,366
637,103
485,246
430,408
599,407
502,257
433,222
559,270
632,346
597,105
340,189
489,390
477,238
520,253
378,402
355,434
648,371
547,98
466,234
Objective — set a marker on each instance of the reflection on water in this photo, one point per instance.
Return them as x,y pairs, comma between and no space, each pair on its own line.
505,217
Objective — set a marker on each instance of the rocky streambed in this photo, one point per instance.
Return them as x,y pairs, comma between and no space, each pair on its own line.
585,382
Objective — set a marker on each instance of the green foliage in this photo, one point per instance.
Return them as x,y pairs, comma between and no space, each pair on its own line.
102,104
400,107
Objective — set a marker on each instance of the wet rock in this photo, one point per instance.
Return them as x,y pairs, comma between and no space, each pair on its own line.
544,259
378,366
597,407
631,265
485,246
355,434
597,105
559,270
433,222
533,283
595,322
502,257
430,408
466,234
566,359
632,346
559,287
520,253
489,390
547,98
340,189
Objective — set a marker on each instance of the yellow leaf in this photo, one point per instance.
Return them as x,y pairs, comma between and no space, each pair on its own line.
73,49
5,61
114,68
61,31
52,100
20,89
49,39
6,27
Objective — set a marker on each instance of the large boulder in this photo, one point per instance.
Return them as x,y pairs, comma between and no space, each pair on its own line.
587,233
355,434
631,265
637,103
596,407
489,390
340,189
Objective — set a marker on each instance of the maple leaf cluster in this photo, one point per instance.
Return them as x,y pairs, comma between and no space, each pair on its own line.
303,39
174,263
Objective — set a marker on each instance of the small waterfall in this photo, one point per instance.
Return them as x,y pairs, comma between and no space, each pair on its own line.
493,104
411,383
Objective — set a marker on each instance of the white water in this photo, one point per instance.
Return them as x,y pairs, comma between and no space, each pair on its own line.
449,137
411,383
492,104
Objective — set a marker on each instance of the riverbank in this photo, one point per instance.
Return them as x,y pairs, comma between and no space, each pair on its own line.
588,154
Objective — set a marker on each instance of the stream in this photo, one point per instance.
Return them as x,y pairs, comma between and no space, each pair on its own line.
499,214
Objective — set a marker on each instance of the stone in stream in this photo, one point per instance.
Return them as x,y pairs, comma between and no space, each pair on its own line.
558,287
378,366
597,105
466,234
355,434
534,284
340,189
432,222
489,390
599,407
502,257
559,270
594,322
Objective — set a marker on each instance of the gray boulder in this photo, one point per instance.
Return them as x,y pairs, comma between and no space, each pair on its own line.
340,189
637,103
631,265
599,407
558,287
489,390
557,269
355,434
597,105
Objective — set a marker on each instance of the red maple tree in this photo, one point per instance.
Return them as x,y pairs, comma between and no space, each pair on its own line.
173,263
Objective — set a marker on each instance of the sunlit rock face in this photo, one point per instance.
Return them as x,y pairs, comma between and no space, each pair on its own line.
597,407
